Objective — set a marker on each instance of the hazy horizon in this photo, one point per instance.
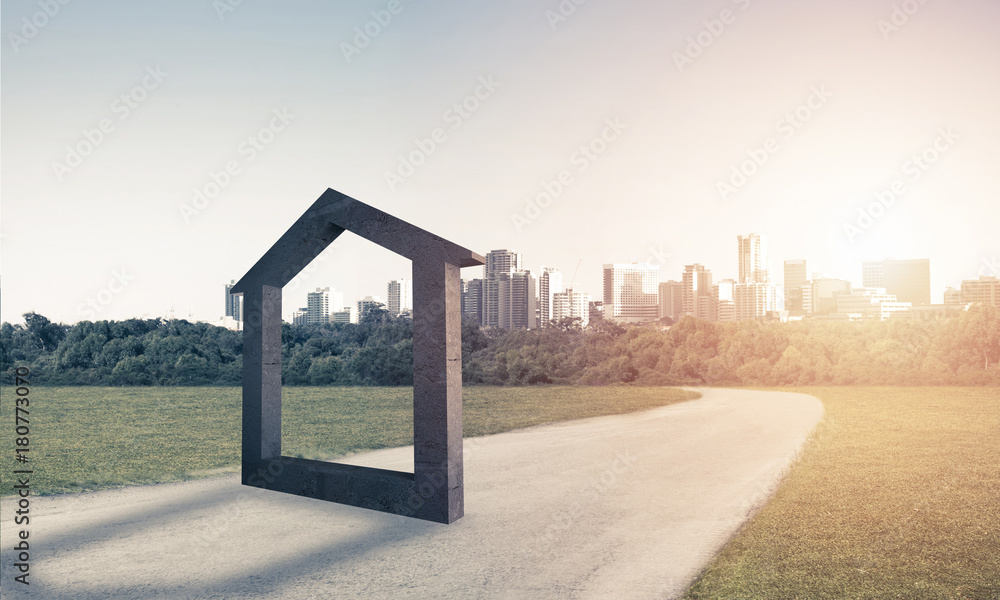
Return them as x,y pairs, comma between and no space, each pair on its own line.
833,105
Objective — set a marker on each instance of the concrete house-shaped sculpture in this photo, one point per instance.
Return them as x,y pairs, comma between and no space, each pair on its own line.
434,491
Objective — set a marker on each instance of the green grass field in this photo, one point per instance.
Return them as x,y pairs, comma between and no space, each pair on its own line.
88,438
897,496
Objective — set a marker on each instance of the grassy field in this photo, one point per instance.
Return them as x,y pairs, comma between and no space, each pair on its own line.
87,438
897,496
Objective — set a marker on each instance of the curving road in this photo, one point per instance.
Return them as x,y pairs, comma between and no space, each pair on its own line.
627,506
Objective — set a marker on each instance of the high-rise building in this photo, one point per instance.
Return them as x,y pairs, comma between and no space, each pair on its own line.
368,303
502,261
631,292
318,306
985,290
349,314
908,280
570,304
753,268
753,300
463,287
518,301
952,296
549,283
671,299
802,299
509,293
869,303
399,296
873,274
797,300
754,295
825,292
498,263
233,303
299,316
472,300
724,300
696,298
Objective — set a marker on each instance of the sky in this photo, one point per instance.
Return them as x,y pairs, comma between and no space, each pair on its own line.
150,152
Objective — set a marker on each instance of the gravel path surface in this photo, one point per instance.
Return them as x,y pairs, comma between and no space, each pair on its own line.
627,506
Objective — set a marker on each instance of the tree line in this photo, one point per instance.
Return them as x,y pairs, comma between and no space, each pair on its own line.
958,350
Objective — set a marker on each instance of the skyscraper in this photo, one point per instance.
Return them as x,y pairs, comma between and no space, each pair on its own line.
696,298
753,300
724,300
518,301
671,299
952,296
908,280
498,263
753,259
796,283
869,303
631,292
985,290
472,300
366,304
399,296
873,274
754,294
318,306
233,303
549,283
502,261
826,291
349,314
509,293
570,304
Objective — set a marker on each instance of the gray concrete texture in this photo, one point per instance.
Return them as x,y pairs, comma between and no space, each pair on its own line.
433,489
627,506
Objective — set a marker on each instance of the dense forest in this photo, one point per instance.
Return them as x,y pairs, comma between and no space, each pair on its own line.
964,349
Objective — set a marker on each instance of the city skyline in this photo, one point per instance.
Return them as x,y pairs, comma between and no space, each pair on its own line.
137,180
891,285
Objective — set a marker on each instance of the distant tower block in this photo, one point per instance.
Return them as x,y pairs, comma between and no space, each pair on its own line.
434,491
